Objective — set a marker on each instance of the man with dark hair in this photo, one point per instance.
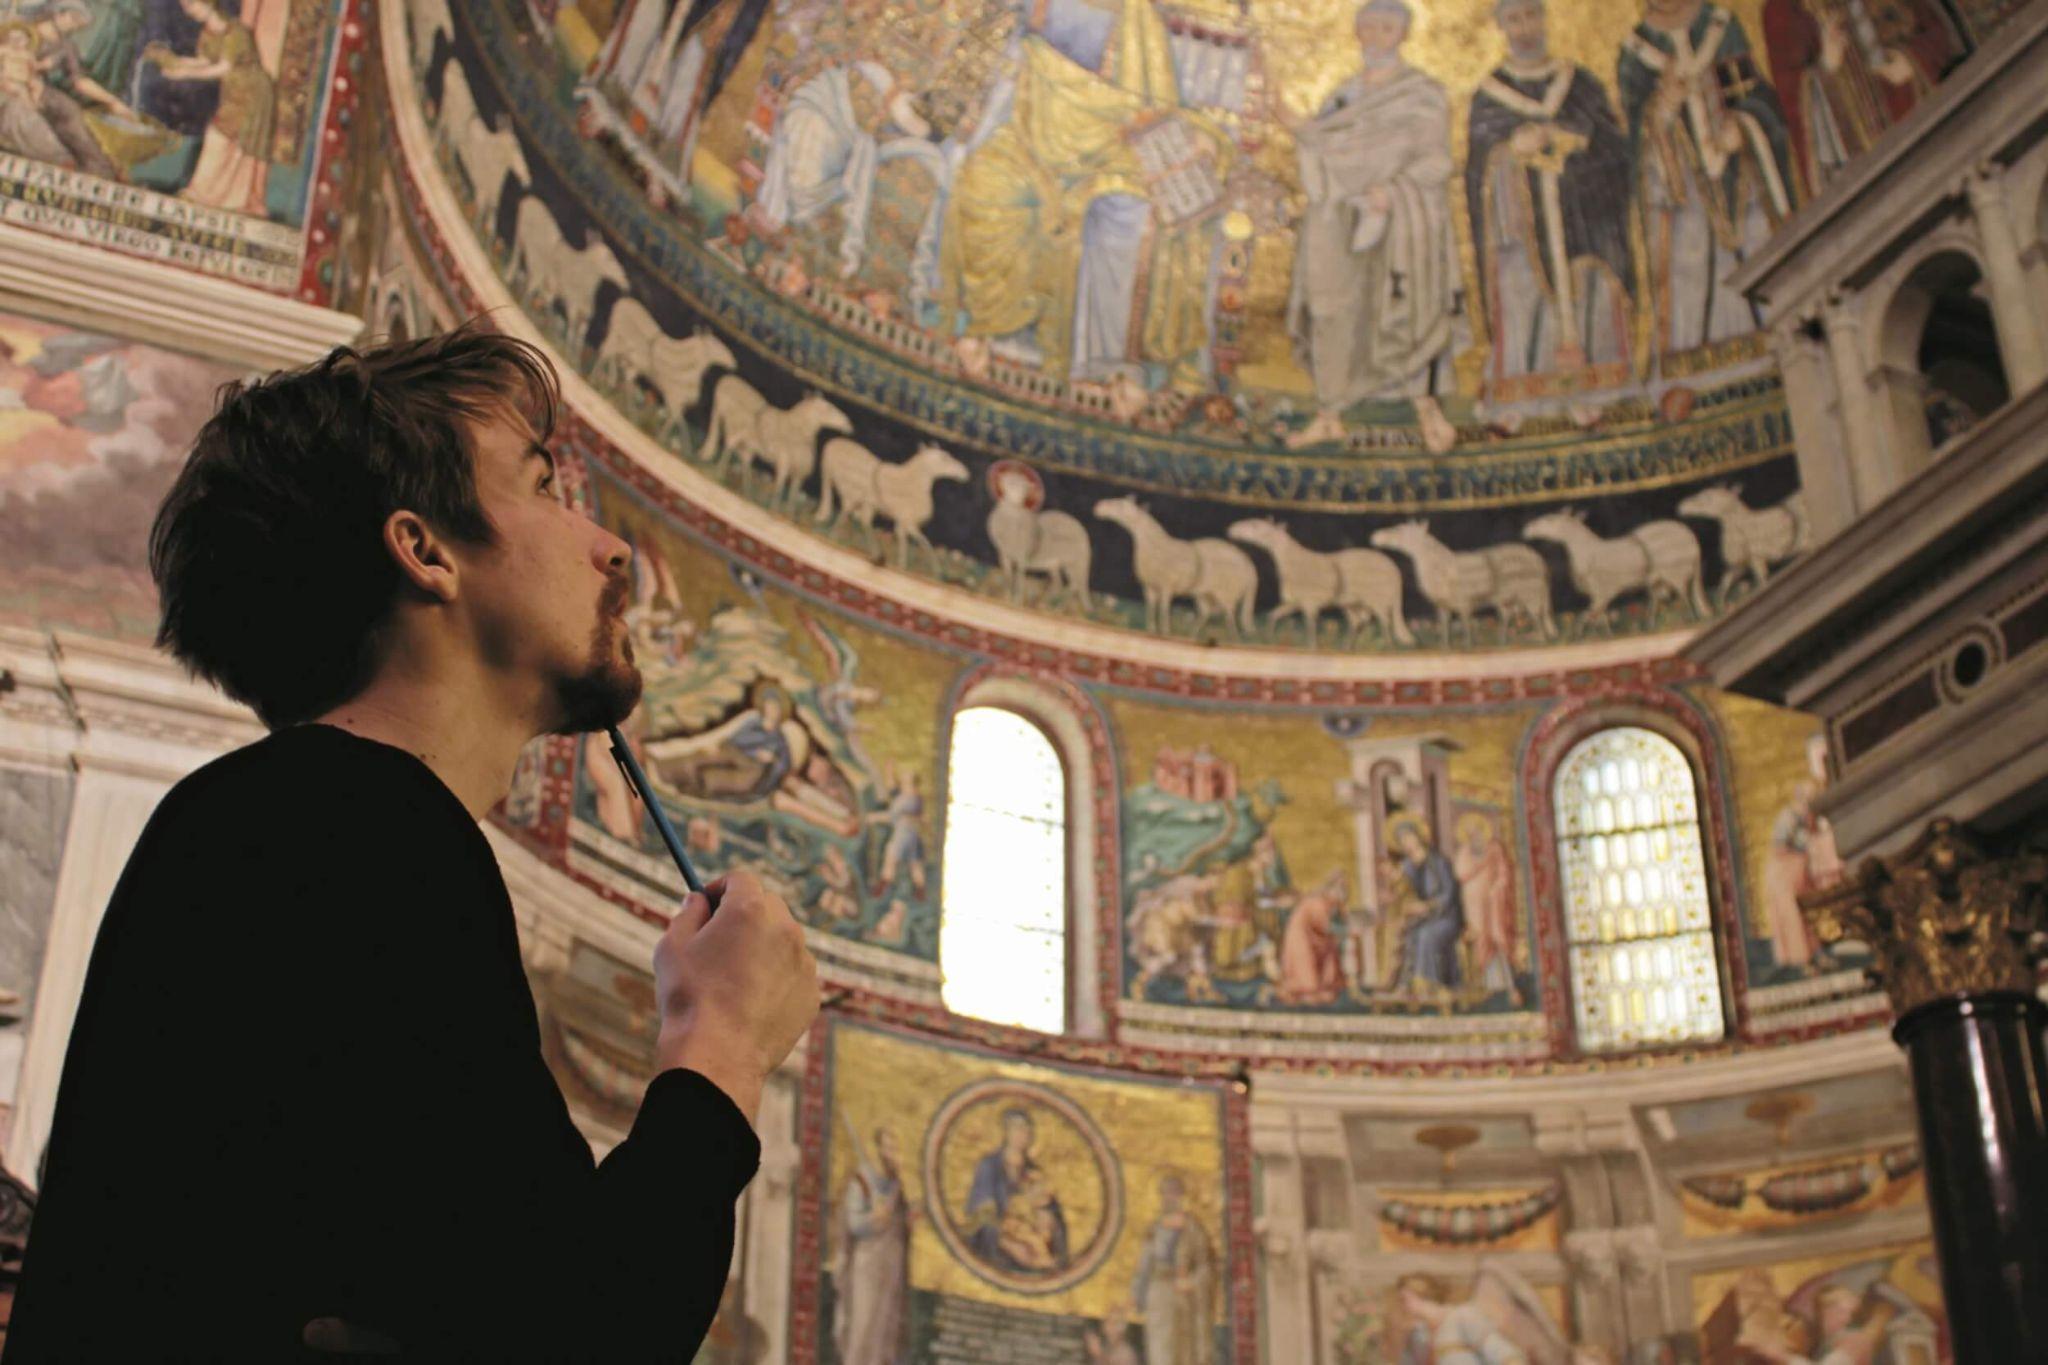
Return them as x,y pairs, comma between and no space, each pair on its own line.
304,1112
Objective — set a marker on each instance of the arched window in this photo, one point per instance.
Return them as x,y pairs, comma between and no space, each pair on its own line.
1003,898
1939,357
1638,922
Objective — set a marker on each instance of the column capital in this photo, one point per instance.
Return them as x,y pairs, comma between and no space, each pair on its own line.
1792,335
1593,1256
1944,917
1838,312
1984,184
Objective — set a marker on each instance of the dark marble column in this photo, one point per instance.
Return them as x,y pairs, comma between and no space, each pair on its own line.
1955,931
1980,1082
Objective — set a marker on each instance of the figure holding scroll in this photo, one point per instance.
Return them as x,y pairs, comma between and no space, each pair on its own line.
1376,274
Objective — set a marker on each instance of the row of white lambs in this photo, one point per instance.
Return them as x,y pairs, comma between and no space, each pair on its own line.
1660,559
486,154
554,280
1363,586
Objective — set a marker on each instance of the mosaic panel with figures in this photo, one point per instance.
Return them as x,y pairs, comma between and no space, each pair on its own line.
1305,324
195,132
964,1206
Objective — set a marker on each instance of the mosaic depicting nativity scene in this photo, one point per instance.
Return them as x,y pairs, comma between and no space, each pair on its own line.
1389,649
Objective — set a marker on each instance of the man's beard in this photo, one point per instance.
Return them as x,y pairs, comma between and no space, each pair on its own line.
607,689
1530,51
602,695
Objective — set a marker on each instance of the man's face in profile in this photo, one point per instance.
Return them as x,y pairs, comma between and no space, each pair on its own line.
549,600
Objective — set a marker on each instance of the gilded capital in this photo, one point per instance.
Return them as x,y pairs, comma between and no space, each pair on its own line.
1943,918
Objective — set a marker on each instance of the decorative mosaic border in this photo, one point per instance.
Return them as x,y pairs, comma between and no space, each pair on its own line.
354,67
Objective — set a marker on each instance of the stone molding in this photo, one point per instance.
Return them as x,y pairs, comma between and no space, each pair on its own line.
182,310
1735,1073
82,702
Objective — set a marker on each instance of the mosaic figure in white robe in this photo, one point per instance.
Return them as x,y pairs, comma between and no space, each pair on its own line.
1376,276
824,154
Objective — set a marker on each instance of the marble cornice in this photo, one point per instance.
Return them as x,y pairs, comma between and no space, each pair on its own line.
105,705
104,291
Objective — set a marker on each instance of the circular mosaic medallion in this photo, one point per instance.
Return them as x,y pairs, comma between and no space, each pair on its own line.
1024,1189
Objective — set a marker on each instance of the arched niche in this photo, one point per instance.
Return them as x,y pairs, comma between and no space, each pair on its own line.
1077,733
1939,369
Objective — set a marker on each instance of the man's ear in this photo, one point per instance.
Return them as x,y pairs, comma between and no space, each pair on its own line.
421,554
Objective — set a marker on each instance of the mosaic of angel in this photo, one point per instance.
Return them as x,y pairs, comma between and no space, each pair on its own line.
1857,1314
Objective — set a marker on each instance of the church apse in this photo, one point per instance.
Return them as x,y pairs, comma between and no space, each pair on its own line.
1477,379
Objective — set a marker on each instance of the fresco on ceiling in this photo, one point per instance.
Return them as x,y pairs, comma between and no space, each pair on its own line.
187,131
1879,1304
93,430
1486,1220
1346,864
1423,1318
1779,1196
778,735
1046,1213
1305,325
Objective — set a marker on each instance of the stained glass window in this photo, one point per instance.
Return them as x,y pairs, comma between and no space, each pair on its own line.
1637,917
1003,898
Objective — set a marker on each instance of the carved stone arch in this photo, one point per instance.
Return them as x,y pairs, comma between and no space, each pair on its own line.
1544,748
1079,733
1939,282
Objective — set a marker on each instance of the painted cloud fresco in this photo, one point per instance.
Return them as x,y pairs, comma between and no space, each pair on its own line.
92,431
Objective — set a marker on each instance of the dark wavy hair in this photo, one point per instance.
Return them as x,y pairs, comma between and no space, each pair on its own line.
268,552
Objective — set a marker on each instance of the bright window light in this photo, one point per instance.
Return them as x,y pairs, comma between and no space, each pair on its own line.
1003,898
1637,916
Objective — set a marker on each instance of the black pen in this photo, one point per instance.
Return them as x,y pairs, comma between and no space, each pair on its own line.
637,778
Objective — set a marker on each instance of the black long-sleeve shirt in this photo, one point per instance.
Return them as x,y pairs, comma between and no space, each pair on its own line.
306,1082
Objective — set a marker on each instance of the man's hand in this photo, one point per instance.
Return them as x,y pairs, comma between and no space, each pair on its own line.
736,988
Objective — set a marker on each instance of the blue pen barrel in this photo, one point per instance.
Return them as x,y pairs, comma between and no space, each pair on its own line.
636,778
